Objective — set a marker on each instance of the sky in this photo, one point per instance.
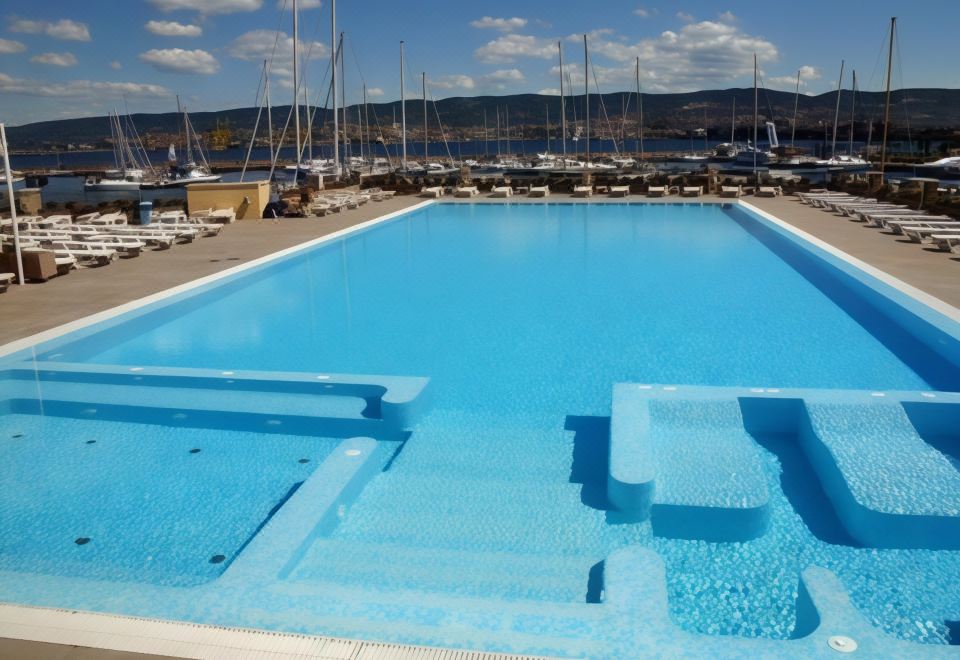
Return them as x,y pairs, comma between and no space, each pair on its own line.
63,58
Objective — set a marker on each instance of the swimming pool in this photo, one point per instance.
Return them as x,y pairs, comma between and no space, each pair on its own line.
483,521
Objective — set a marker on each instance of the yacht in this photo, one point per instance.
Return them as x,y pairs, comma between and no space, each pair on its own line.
944,168
130,157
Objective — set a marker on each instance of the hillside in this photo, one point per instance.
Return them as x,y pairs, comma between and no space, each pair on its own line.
920,109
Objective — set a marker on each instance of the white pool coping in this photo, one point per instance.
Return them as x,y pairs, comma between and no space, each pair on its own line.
193,640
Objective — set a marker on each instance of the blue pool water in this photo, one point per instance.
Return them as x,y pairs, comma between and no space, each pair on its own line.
523,317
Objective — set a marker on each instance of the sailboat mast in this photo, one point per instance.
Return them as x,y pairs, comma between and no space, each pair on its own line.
423,77
486,136
403,112
296,89
306,115
586,88
498,132
548,127
639,111
266,85
733,121
756,100
333,86
886,111
563,107
506,128
343,102
366,121
796,103
836,113
853,107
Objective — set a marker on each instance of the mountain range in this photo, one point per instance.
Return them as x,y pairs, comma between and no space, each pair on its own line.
921,109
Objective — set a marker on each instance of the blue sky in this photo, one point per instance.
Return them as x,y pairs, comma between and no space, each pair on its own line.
62,58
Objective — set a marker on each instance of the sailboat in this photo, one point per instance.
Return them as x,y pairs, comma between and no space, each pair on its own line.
130,160
844,162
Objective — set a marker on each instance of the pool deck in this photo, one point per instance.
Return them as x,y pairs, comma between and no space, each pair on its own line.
36,307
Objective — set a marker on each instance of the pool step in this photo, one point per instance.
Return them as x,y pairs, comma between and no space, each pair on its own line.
383,407
889,487
392,567
688,464
459,513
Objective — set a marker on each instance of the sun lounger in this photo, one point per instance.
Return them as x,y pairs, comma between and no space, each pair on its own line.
466,191
433,191
6,279
731,191
203,229
898,225
582,191
657,191
947,242
502,191
874,218
692,191
619,191
125,245
84,253
223,216
768,191
539,191
924,234
116,218
159,239
54,221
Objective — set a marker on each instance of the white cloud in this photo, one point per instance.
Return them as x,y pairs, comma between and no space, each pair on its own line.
727,17
79,88
502,24
63,29
684,16
178,60
509,47
550,91
642,12
807,74
9,46
375,92
55,59
115,65
505,75
455,81
173,29
208,6
303,4
258,45
698,56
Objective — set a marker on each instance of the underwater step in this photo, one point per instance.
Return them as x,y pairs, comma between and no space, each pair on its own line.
507,575
688,464
483,515
890,488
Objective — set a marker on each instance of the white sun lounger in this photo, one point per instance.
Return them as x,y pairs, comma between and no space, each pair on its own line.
433,191
692,191
84,253
466,191
924,234
126,245
873,218
768,191
203,229
6,279
582,191
539,191
502,191
899,225
947,242
619,191
731,191
657,191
